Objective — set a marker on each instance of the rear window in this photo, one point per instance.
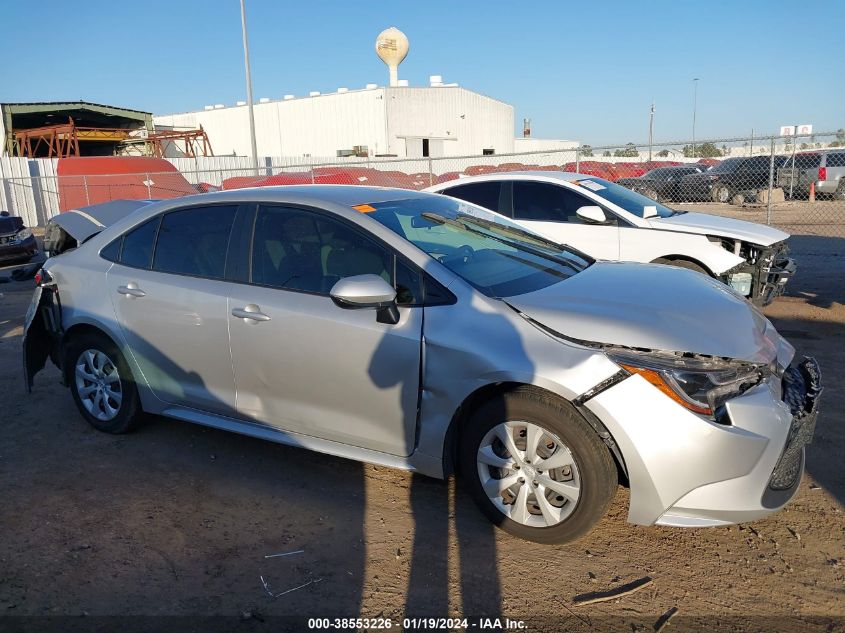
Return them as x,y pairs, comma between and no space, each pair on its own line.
727,166
805,161
836,159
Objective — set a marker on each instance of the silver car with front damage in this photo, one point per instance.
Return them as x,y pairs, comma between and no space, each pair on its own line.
425,333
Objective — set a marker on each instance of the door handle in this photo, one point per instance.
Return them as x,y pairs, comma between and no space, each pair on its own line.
131,290
251,312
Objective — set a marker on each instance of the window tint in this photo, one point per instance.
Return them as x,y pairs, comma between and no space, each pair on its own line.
301,250
194,241
112,251
138,245
836,159
484,194
545,202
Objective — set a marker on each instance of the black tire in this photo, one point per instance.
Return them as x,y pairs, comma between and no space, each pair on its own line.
651,194
839,194
682,263
721,193
738,199
129,410
596,467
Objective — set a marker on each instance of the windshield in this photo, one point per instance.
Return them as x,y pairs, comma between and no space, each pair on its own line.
726,166
495,256
630,201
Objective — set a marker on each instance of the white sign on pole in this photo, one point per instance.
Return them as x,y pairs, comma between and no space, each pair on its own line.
793,130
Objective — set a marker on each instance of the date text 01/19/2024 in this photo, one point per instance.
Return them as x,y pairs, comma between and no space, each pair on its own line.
431,624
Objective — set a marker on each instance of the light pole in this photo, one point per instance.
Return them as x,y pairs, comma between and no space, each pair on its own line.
694,108
249,90
650,129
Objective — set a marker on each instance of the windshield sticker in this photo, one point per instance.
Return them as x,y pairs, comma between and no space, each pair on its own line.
364,208
590,184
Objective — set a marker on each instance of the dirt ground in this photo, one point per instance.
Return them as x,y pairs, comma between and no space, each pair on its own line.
176,520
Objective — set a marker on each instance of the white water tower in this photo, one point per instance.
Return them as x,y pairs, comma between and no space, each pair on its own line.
392,47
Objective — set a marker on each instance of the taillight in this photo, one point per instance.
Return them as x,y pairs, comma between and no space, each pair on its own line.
822,173
42,277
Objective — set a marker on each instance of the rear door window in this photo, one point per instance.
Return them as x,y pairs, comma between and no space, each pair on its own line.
138,244
484,194
194,241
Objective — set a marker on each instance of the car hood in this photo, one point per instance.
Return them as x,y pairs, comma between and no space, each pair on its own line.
82,223
653,307
706,224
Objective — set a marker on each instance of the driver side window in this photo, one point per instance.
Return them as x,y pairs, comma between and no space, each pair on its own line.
545,202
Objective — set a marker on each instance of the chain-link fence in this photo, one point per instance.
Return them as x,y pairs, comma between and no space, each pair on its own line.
795,183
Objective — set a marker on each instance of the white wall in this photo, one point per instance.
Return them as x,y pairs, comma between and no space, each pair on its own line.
476,121
322,125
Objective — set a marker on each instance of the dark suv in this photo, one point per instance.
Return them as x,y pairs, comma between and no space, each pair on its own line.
662,184
732,180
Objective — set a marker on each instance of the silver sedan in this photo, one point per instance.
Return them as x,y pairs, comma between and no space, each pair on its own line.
425,333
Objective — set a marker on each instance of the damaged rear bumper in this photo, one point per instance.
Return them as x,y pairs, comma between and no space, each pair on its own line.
687,471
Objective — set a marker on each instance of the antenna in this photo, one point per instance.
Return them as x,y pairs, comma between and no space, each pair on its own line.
392,47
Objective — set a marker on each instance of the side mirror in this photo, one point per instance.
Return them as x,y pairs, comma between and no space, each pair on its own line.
592,214
367,291
649,211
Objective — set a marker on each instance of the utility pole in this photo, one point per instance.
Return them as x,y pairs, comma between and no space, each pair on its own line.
650,129
694,108
249,90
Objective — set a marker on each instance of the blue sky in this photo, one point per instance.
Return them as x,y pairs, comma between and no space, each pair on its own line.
585,71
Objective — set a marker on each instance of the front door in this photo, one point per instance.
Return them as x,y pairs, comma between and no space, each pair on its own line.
302,364
170,302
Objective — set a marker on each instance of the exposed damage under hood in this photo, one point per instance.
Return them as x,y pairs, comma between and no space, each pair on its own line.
71,228
653,307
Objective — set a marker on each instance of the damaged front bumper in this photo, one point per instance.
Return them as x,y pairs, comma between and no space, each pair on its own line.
688,471
765,279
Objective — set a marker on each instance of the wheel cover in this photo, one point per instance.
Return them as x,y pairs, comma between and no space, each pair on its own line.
528,474
98,384
723,194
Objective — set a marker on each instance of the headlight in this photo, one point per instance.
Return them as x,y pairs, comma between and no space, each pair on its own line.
23,234
700,385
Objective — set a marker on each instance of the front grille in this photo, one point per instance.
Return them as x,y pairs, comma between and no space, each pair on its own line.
801,390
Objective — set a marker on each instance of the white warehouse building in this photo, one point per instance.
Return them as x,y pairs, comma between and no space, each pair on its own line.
413,122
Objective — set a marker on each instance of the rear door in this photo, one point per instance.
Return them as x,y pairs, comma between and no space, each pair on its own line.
169,295
304,364
551,211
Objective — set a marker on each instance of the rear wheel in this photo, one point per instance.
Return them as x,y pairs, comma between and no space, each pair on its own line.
839,194
101,383
721,193
535,468
651,193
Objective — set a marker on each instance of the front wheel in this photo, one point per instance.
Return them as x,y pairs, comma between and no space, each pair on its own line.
101,383
535,468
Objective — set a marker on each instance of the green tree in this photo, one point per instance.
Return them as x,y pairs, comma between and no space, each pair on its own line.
586,150
606,153
704,150
629,151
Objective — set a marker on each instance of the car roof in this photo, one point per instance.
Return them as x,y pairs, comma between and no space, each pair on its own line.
343,195
564,176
